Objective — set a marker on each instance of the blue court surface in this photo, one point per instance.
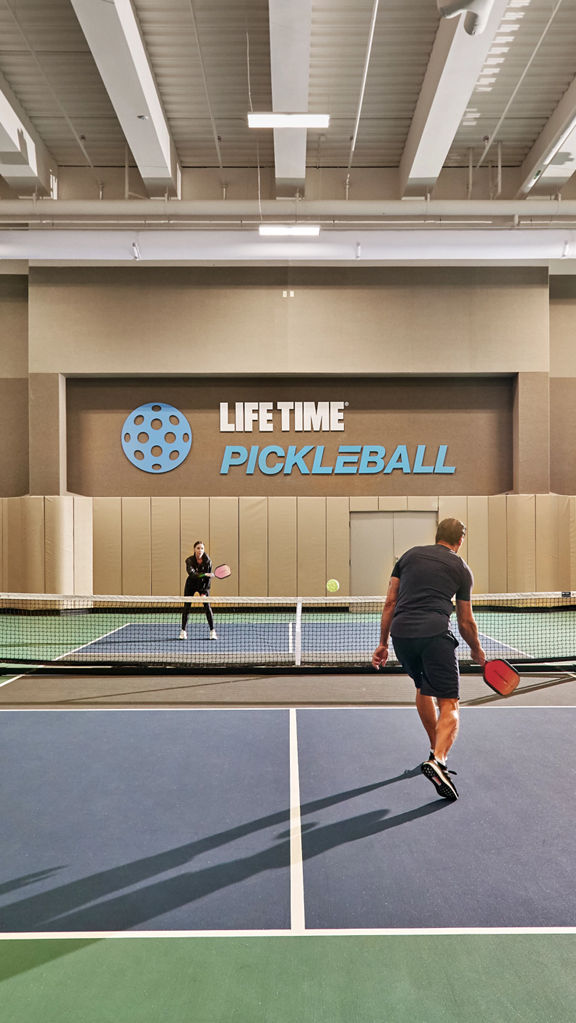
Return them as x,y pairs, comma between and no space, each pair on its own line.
160,641
349,639
192,821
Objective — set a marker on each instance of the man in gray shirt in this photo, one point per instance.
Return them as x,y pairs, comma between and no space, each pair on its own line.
417,616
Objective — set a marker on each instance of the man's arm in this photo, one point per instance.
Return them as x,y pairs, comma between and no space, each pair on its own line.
380,655
469,629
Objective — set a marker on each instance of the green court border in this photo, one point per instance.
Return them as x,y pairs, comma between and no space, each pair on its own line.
423,978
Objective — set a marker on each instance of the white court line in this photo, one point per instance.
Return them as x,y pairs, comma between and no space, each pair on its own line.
34,667
296,865
400,932
247,708
486,637
84,646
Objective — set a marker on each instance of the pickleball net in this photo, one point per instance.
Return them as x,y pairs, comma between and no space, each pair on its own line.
325,633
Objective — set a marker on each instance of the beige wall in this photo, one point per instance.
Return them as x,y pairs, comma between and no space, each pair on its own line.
14,434
563,327
47,433
247,182
563,384
13,384
235,320
278,546
13,326
532,433
379,322
349,322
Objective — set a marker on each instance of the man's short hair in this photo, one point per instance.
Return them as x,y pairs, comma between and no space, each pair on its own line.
450,531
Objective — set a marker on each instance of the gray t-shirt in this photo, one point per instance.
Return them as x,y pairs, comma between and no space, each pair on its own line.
429,578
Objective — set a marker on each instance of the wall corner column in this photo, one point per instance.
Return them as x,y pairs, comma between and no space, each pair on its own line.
47,433
531,427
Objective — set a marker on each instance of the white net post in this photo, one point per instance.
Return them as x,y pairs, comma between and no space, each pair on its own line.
298,634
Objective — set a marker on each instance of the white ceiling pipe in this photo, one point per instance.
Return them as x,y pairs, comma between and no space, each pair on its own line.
51,212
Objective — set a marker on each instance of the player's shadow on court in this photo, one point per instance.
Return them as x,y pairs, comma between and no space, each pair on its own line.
65,908
27,879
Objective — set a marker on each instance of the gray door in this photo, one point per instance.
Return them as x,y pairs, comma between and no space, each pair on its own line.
377,539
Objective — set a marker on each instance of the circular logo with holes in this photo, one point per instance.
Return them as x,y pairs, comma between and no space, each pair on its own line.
156,438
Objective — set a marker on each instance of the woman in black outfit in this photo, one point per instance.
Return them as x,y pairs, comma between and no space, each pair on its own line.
200,575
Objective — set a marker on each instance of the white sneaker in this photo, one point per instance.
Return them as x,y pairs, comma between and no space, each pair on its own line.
183,634
213,634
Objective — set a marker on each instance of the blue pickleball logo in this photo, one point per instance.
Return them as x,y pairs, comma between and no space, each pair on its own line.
156,438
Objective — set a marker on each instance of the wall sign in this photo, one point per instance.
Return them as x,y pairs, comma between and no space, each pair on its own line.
310,459
288,415
156,437
350,460
293,437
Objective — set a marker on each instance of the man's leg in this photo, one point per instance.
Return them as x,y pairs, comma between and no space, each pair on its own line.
440,671
408,653
446,731
441,677
446,728
426,707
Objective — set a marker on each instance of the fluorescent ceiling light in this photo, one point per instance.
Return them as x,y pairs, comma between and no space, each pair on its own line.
262,119
301,230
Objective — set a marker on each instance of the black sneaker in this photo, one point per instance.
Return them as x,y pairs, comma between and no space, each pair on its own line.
431,757
440,778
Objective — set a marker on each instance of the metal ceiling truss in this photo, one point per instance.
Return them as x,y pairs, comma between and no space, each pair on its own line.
412,97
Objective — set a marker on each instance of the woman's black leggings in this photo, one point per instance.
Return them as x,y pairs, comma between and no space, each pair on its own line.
189,592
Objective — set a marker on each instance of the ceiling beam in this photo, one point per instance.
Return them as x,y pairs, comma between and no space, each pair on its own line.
113,35
290,31
25,163
552,159
453,69
227,248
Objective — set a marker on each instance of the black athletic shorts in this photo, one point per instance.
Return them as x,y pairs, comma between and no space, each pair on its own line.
431,661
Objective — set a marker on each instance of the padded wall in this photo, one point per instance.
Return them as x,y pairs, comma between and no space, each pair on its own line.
253,545
107,518
287,546
275,546
47,545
